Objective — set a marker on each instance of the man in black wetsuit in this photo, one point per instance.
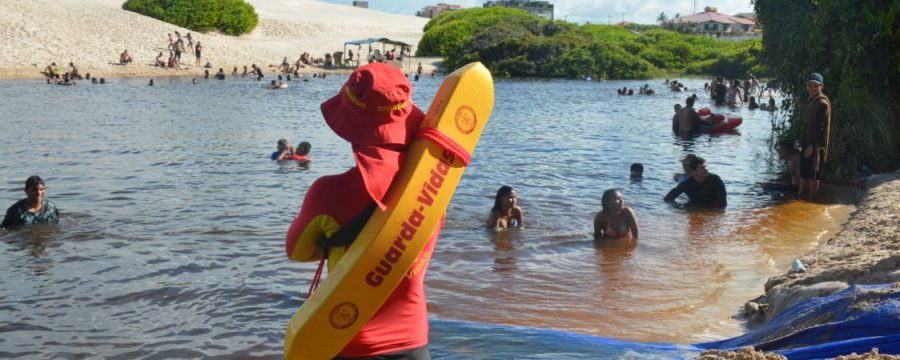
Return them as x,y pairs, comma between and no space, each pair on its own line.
703,188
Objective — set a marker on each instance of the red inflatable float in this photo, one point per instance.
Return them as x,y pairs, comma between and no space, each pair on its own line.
722,123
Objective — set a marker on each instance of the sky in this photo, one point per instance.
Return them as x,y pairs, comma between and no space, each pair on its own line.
581,11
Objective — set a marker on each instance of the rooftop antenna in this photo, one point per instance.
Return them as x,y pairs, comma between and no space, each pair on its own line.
694,7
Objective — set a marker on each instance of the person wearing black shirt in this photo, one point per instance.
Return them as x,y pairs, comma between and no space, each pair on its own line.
719,92
703,188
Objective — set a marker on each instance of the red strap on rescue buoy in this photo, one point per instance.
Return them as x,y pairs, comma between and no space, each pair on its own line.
444,141
317,277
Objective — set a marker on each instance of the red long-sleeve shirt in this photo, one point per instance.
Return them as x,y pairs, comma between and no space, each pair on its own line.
401,323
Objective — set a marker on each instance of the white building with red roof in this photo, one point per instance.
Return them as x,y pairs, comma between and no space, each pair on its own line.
712,22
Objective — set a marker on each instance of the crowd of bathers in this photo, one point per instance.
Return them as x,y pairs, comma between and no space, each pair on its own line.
56,75
642,90
738,92
615,220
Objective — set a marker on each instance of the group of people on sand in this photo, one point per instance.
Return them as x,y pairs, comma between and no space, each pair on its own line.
176,47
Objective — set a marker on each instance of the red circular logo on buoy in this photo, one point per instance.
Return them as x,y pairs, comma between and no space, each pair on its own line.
466,119
343,315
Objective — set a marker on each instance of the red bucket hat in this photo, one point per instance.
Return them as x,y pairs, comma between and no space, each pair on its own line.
375,113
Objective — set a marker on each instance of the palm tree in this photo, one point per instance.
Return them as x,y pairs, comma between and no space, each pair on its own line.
661,19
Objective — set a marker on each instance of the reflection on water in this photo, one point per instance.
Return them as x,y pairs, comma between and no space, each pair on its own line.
170,242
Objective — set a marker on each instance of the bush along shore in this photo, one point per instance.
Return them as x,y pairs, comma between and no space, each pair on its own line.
232,17
513,42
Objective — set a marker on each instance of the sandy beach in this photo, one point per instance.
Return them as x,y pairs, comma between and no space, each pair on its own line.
92,34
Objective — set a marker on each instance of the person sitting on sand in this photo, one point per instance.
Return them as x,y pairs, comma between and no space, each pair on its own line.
283,150
125,58
615,220
173,62
505,213
34,209
160,60
703,188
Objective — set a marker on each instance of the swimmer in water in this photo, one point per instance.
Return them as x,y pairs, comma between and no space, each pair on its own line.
615,220
505,213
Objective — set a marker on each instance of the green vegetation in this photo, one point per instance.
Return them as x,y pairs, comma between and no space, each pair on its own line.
514,42
233,17
856,46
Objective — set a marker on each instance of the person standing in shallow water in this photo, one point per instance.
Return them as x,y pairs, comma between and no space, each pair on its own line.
333,205
506,213
615,220
814,137
34,209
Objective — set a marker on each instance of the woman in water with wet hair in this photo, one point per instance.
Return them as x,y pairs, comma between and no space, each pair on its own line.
615,220
505,213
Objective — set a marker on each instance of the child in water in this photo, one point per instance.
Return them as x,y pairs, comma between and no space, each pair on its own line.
301,152
283,150
637,171
505,213
615,220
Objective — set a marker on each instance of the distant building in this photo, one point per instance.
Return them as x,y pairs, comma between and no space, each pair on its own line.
543,9
714,23
361,4
431,11
747,15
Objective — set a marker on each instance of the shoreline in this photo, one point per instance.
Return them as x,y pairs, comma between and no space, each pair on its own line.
429,64
93,33
866,251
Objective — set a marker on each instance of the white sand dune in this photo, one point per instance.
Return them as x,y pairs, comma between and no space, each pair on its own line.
92,34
